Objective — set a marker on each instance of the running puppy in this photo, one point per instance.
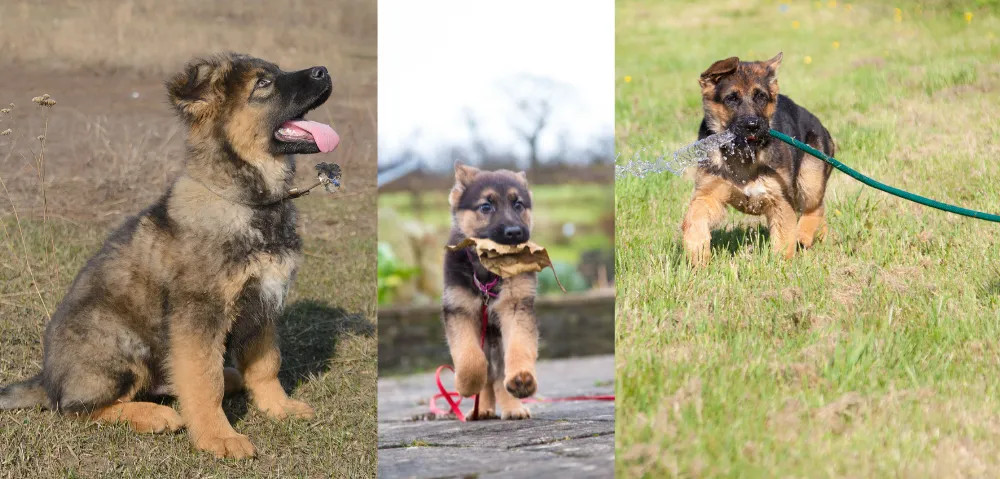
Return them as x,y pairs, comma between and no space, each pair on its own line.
201,273
758,175
493,205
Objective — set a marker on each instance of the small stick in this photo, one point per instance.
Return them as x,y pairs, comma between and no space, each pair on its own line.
556,276
329,173
297,192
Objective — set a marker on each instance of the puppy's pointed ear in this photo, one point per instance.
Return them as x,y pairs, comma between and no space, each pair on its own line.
464,173
463,177
772,66
720,69
523,176
190,91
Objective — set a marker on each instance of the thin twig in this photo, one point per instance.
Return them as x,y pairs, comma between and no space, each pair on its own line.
297,192
24,246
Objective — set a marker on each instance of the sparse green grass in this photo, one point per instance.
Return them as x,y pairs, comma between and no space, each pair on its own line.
872,355
584,205
328,349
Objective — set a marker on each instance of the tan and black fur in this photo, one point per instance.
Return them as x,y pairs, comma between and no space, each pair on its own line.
757,175
494,205
202,273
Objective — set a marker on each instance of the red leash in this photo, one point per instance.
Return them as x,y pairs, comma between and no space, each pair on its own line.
446,394
449,395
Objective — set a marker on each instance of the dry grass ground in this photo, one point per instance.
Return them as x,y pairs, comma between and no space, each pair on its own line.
873,354
111,147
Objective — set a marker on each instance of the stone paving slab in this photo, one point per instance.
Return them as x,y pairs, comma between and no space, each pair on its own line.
562,439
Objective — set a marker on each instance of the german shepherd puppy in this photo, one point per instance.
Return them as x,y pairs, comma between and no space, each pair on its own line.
493,205
201,273
758,175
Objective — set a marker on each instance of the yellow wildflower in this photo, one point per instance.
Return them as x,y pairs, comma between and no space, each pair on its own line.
836,45
795,24
628,79
968,17
808,59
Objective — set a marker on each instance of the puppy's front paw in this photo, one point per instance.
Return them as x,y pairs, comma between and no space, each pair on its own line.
519,412
470,374
521,384
236,446
698,246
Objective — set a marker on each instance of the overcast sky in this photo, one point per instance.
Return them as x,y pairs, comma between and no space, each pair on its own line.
437,58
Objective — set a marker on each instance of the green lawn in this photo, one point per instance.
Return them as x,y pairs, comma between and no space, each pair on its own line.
875,353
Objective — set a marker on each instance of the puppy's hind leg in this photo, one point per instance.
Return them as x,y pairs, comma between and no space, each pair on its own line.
781,223
494,356
105,395
88,380
511,407
145,417
811,182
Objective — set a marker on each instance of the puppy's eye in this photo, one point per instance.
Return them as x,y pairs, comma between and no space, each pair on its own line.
733,99
485,208
761,97
263,83
518,206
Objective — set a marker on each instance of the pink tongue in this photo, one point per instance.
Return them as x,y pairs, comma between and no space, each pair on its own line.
326,139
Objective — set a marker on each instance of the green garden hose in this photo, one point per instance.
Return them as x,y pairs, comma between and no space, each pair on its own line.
881,186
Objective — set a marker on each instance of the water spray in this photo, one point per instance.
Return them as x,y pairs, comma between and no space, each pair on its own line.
699,151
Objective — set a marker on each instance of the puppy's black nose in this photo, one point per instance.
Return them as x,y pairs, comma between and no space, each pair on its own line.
318,73
513,233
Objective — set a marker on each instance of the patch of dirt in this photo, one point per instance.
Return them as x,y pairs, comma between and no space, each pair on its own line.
113,145
797,373
786,422
877,62
839,414
848,284
899,279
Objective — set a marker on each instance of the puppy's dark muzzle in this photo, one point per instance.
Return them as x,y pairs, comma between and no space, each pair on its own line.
311,87
751,128
510,235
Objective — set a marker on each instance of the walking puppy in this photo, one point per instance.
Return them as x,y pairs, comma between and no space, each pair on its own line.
493,205
201,273
758,175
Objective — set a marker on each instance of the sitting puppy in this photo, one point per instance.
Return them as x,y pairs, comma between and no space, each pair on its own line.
493,205
201,273
757,175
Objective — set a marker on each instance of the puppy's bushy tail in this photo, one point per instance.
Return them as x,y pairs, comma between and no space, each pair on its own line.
25,394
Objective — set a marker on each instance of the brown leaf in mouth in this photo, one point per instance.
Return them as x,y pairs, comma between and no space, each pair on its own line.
509,260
